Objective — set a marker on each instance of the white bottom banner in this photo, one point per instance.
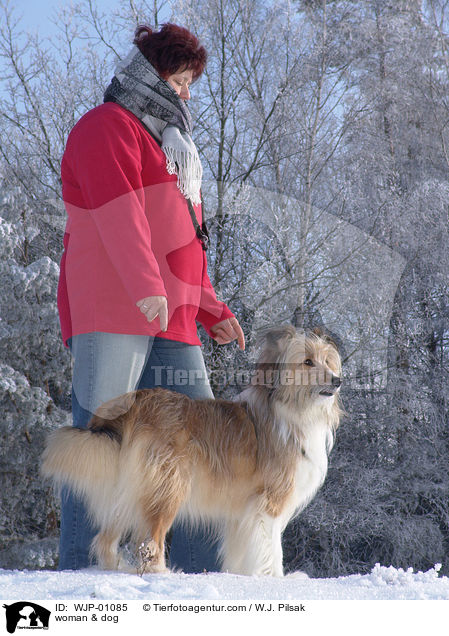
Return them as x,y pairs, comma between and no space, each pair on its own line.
101,617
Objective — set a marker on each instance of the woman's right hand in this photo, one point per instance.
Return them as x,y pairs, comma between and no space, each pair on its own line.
153,306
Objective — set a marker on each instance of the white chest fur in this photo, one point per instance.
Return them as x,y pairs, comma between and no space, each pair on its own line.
311,468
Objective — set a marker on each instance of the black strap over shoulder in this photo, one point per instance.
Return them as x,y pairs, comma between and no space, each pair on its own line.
201,231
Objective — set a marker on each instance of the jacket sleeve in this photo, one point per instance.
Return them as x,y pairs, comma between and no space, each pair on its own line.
106,163
211,310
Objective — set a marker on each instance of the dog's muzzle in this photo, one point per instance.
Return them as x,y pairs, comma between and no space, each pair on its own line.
329,391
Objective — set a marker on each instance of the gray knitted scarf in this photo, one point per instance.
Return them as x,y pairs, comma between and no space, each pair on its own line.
138,87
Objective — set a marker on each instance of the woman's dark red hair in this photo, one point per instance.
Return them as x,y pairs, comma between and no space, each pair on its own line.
170,49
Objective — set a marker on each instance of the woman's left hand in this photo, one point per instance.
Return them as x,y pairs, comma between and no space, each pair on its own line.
228,330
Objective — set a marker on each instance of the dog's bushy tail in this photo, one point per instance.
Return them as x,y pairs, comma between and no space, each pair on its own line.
82,459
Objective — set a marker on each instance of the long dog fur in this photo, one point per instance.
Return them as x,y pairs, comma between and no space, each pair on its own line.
249,466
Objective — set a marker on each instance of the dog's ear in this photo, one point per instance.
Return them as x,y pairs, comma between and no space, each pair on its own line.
275,336
331,341
318,331
272,342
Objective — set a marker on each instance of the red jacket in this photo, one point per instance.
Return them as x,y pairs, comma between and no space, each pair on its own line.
129,235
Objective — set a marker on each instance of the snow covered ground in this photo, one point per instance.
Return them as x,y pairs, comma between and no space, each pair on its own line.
295,600
383,583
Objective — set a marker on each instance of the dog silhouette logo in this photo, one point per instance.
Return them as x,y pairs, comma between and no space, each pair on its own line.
26,615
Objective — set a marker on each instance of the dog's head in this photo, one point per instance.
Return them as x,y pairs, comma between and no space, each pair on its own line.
301,368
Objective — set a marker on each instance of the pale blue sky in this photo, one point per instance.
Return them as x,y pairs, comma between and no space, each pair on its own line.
37,13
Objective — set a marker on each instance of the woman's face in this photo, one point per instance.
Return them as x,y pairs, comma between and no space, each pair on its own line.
181,81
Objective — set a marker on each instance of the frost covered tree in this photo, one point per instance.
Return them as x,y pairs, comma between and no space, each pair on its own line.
34,378
389,499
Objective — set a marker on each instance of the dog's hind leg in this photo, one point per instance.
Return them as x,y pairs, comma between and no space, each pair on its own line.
152,548
105,548
158,514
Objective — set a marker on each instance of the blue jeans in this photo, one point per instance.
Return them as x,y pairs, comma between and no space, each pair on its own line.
104,366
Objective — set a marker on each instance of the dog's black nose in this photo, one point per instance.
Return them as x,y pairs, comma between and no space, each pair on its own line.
336,381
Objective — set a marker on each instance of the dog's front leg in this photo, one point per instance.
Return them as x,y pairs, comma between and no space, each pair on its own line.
272,527
253,546
276,543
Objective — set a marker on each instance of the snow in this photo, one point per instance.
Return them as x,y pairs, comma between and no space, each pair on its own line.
189,601
382,583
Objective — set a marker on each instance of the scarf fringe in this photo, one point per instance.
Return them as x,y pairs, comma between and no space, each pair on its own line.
189,171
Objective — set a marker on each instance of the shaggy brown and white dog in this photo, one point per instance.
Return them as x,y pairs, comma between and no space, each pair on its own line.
248,466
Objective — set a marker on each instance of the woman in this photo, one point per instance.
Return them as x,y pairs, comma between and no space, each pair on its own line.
133,277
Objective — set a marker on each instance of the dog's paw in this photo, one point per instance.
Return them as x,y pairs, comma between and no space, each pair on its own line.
297,575
125,566
157,569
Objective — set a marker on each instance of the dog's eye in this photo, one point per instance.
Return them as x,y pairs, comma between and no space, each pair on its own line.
309,362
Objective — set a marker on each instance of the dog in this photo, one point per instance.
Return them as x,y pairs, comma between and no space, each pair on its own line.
247,466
